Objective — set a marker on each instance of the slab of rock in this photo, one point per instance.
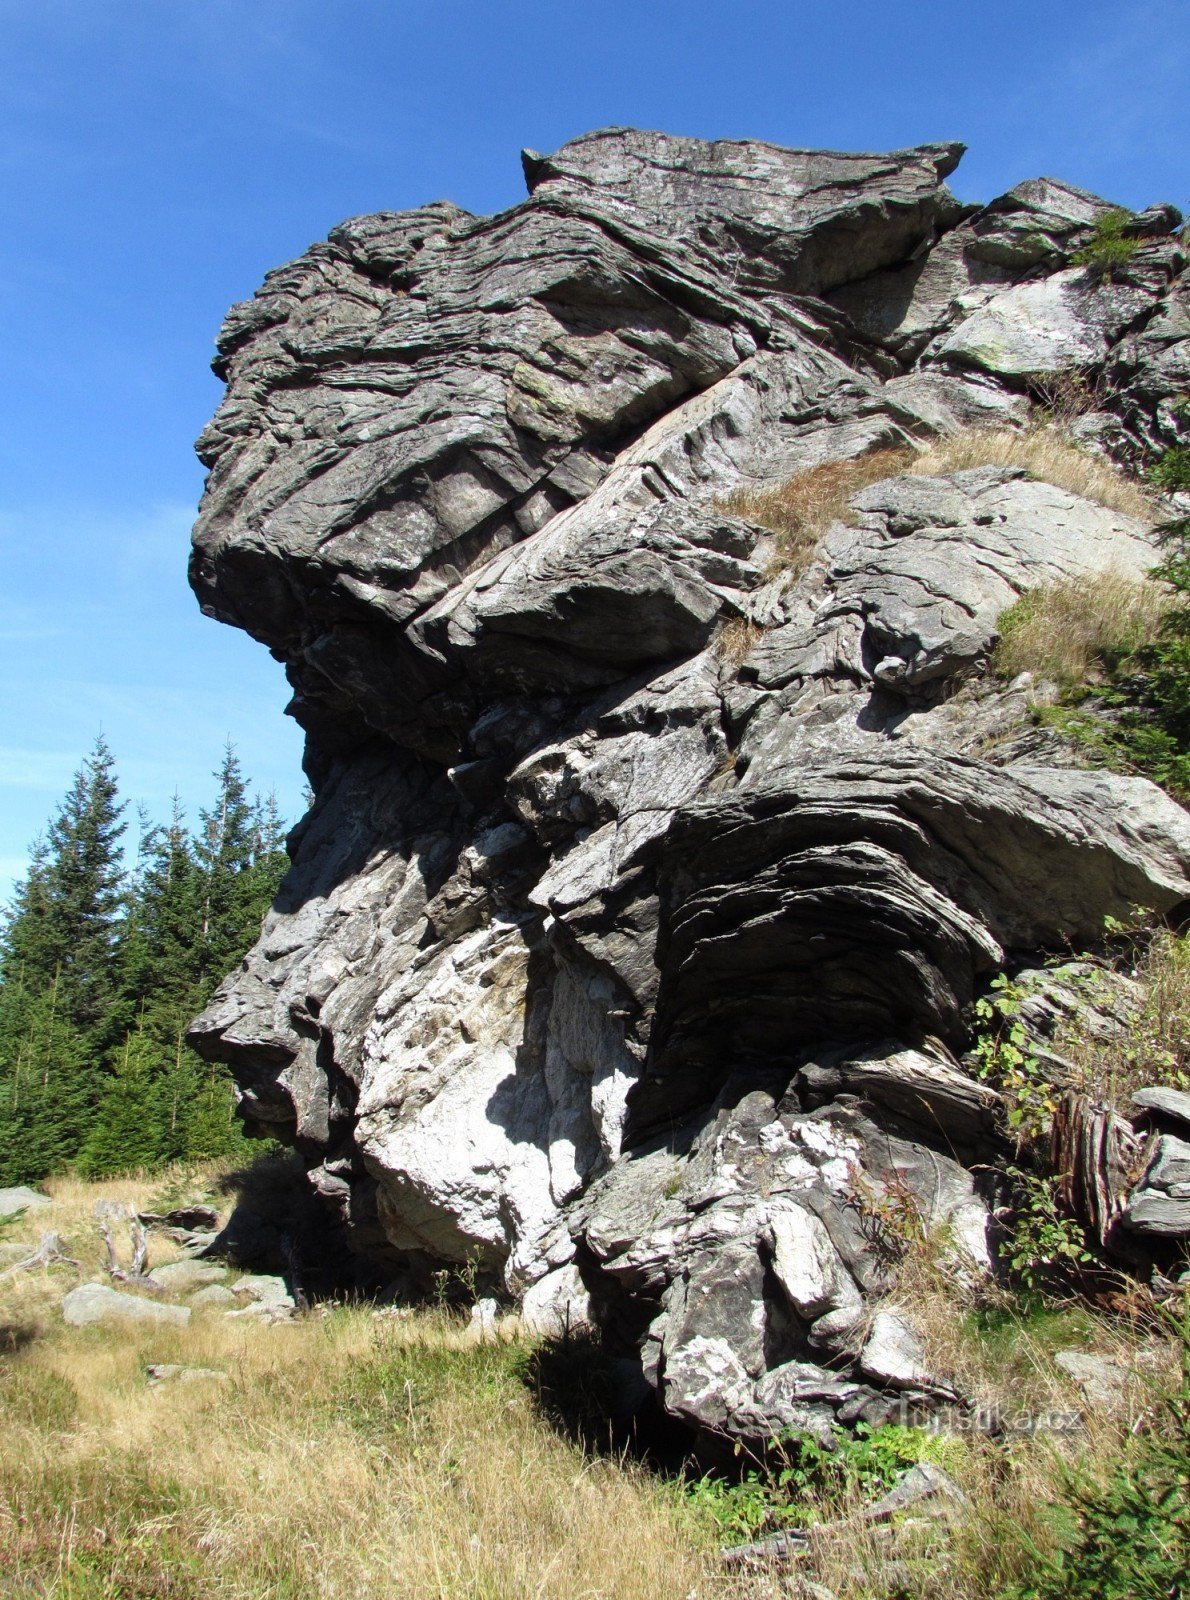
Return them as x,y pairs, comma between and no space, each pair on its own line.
215,1297
893,1353
21,1198
1173,1104
1102,1380
557,1305
1149,1211
265,1290
96,1302
179,1277
171,1372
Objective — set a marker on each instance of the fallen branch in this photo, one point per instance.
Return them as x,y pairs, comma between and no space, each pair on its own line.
188,1219
137,1275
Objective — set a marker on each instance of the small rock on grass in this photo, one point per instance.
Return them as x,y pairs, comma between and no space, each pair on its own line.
181,1276
214,1297
265,1289
171,1372
1101,1380
95,1302
22,1198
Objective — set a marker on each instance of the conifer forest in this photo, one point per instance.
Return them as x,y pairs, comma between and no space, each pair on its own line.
106,955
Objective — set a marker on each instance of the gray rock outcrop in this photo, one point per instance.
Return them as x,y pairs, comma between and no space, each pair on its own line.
621,974
96,1302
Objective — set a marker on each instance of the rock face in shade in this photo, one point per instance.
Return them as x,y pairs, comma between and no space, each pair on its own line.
628,972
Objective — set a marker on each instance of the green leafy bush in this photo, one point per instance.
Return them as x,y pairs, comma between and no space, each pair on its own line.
809,1478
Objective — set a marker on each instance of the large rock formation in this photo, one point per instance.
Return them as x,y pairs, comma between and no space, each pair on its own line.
619,969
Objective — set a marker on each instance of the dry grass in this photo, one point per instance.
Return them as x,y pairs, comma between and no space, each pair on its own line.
736,638
1044,453
346,1456
1068,632
1154,1047
800,510
999,1354
349,1456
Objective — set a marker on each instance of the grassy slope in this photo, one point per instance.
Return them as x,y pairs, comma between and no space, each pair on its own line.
347,1455
351,1455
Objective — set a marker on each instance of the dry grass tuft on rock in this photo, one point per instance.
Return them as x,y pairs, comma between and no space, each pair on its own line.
1071,633
736,639
800,510
1044,453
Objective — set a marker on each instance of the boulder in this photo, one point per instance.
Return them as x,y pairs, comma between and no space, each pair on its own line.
215,1297
264,1290
1171,1105
21,1198
179,1277
1100,1379
96,1302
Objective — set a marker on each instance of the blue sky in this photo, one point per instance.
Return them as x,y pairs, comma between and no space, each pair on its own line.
158,156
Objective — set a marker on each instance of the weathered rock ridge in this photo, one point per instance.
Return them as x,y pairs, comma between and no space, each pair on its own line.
613,966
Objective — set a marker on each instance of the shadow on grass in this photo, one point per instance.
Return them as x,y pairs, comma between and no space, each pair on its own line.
603,1403
16,1336
279,1225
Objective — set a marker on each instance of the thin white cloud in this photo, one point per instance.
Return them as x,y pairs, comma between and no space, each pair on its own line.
24,768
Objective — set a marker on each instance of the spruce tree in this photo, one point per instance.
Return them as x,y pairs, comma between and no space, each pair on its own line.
225,849
59,977
101,971
84,878
126,1133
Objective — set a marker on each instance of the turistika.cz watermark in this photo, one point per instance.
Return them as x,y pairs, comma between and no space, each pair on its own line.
991,1420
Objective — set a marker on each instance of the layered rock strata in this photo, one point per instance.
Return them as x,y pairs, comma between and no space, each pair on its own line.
630,975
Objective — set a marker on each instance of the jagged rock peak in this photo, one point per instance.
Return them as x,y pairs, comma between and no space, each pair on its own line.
809,220
632,937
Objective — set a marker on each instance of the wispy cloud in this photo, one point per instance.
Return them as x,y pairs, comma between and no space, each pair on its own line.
22,767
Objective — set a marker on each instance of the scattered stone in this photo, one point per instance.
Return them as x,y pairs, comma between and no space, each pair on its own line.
22,1198
169,1372
187,1218
483,1316
1171,1103
925,1481
893,1353
1150,1211
557,1305
1101,1380
269,1292
96,1302
258,1311
215,1297
775,1550
179,1277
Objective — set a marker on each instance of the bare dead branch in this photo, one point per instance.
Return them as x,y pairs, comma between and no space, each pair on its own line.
48,1253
